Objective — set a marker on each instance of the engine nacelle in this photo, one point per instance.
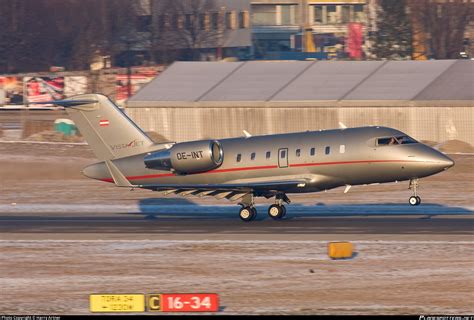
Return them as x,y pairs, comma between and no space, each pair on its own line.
187,157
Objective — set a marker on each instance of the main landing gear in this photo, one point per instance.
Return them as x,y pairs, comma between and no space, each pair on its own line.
414,200
276,211
247,212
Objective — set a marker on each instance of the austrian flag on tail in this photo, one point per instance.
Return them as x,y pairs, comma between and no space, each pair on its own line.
103,123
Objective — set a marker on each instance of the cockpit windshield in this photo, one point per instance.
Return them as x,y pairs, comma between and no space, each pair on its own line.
386,141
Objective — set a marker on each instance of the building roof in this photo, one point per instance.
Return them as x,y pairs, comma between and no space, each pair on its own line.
300,83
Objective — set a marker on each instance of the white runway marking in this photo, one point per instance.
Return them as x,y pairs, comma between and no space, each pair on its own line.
389,242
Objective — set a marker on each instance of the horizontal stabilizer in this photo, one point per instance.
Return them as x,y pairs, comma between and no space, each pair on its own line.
67,103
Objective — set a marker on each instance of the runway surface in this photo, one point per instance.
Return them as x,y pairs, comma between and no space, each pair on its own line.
208,222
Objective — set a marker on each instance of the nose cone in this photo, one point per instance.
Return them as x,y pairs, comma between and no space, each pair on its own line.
426,161
439,161
447,162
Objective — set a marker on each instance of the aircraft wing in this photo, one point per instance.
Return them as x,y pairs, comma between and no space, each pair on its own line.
234,186
233,191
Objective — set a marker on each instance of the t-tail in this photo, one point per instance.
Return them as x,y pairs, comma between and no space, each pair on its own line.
109,131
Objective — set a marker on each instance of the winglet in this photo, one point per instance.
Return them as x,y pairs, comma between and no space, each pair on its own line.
348,187
439,145
117,175
247,134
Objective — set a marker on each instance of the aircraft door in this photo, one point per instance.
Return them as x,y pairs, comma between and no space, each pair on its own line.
283,157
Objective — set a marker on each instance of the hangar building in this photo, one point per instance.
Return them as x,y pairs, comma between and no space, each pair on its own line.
429,100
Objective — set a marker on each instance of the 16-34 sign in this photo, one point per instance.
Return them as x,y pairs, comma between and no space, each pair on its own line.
183,302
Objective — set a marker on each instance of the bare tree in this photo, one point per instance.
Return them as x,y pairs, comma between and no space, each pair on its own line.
37,34
20,39
91,27
188,26
443,24
392,38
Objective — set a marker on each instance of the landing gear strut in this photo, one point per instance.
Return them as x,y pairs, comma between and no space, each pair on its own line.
247,212
277,211
414,200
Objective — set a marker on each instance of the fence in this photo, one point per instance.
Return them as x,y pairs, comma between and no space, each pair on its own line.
436,124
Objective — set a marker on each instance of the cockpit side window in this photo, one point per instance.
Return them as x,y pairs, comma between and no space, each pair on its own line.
406,140
387,141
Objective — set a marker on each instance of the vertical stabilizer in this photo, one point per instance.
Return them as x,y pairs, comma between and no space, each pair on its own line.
108,130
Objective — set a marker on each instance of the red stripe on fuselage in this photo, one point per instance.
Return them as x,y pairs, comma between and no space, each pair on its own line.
151,176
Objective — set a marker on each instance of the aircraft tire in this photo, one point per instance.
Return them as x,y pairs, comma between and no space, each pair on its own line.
418,200
247,214
413,201
276,212
254,213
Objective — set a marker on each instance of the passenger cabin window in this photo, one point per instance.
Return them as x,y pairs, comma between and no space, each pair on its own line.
342,148
298,152
268,155
283,154
387,141
327,150
252,156
312,151
239,157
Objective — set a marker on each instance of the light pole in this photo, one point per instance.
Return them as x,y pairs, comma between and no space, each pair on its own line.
128,62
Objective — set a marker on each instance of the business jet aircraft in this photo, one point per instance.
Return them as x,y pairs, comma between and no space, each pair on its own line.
240,169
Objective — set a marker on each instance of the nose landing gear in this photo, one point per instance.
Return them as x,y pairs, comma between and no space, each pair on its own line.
414,200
